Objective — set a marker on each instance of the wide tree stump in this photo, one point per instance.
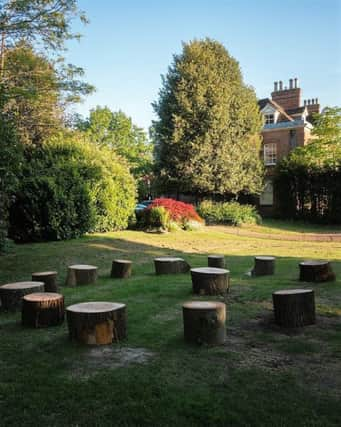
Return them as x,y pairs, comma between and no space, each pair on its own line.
170,265
81,275
11,294
97,322
264,266
217,261
204,322
49,278
316,271
42,309
294,308
210,281
121,268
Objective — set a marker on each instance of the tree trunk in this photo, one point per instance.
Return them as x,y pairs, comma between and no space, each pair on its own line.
81,275
204,322
210,281
42,309
294,308
264,266
217,261
11,294
96,323
169,265
49,278
316,271
121,268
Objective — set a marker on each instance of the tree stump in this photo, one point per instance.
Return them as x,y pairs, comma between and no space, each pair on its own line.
217,261
97,323
264,266
11,294
204,322
170,265
316,271
210,281
42,309
49,278
121,269
81,275
294,308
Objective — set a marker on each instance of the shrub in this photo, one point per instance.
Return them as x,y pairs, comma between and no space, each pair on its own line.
69,187
231,213
158,217
179,212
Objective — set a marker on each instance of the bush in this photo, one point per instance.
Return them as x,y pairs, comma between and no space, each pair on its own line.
231,213
158,217
69,187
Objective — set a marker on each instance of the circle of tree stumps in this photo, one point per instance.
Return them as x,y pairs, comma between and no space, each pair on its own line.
170,265
210,281
49,278
121,269
42,309
204,322
264,266
81,274
97,323
316,271
294,308
216,261
11,294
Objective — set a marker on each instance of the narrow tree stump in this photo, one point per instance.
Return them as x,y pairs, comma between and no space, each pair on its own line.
264,266
42,309
294,307
97,322
170,265
210,281
81,275
11,294
49,278
121,268
316,271
217,261
204,322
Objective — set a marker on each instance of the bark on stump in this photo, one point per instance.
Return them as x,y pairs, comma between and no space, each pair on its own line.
264,266
210,281
42,309
316,271
49,278
97,323
11,294
217,261
121,269
204,322
294,308
81,275
170,265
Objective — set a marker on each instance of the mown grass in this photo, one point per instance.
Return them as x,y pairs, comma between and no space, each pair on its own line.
292,227
262,376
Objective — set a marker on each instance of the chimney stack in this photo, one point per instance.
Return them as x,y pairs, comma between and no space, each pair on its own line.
288,98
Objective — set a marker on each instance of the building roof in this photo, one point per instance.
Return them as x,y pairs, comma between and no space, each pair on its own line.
263,102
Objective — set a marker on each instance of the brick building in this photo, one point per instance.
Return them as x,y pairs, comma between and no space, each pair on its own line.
287,124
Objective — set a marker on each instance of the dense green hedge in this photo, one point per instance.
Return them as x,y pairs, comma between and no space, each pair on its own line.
69,187
231,213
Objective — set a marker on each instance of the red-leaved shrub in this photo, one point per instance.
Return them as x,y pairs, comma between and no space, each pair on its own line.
178,211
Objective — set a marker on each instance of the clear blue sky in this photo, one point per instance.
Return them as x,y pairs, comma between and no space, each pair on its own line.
129,44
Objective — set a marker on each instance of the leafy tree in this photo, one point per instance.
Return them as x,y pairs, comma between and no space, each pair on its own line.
207,133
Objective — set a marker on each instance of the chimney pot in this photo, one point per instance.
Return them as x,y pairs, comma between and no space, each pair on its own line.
275,86
296,82
308,101
317,100
290,83
305,102
280,85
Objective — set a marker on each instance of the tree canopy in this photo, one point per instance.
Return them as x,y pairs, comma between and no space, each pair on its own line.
207,132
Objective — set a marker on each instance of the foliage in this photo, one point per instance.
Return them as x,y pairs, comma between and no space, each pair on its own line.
231,213
179,211
69,187
158,217
207,133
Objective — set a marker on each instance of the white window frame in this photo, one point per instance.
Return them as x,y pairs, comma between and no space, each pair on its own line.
270,154
269,119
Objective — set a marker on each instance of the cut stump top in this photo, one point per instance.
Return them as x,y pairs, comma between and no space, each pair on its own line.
22,285
313,263
83,267
168,259
42,296
95,307
210,270
293,291
216,256
122,261
44,273
203,305
265,258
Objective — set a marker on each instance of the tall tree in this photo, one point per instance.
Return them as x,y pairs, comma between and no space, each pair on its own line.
207,133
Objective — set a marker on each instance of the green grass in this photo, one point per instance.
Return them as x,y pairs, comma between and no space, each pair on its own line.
262,376
292,227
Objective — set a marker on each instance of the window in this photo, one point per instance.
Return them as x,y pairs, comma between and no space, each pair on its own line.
267,196
293,139
270,154
269,118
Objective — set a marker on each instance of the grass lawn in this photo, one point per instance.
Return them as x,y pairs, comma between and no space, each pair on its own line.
292,227
262,376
